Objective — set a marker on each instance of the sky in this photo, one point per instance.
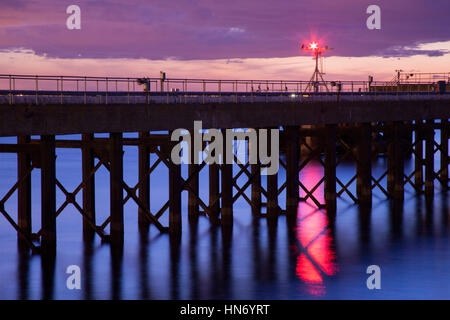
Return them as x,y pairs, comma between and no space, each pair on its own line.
233,39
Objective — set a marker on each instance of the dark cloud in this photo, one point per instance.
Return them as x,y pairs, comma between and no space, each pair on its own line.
204,29
406,52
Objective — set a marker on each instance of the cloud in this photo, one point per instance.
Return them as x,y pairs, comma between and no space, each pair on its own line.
436,49
405,52
205,29
25,61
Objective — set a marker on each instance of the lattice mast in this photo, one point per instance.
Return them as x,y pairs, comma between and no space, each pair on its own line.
317,77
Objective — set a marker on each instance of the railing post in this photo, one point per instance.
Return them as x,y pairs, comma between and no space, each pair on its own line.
204,88
167,91
85,90
37,90
128,89
281,91
10,91
62,89
252,97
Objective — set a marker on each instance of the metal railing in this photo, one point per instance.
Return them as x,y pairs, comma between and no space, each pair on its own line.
38,89
423,77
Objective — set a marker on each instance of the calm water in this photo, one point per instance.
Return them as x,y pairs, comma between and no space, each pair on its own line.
257,259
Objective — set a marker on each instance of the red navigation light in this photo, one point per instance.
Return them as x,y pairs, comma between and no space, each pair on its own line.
313,46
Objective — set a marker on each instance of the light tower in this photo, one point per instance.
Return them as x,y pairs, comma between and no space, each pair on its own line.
316,78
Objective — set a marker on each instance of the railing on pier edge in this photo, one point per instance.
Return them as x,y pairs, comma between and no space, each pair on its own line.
83,89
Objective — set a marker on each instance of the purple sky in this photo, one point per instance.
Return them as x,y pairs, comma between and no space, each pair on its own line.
206,29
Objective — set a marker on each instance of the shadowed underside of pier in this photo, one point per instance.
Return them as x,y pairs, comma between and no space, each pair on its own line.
16,120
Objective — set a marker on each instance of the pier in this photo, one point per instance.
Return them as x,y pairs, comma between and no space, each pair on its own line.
354,121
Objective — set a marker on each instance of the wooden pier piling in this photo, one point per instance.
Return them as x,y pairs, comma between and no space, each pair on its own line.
444,153
364,164
396,160
292,167
144,180
48,194
272,185
174,198
227,187
116,187
418,156
256,182
214,192
429,157
87,159
330,168
193,192
24,192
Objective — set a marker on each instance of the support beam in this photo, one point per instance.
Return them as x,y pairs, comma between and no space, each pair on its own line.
48,194
116,187
429,157
174,197
144,180
330,169
88,157
364,164
227,187
292,166
24,192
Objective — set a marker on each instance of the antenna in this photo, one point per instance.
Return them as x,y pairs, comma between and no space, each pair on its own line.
317,77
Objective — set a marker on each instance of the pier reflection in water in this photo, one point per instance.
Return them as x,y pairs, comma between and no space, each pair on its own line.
311,257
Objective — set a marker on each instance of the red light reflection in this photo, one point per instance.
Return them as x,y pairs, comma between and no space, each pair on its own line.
317,254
